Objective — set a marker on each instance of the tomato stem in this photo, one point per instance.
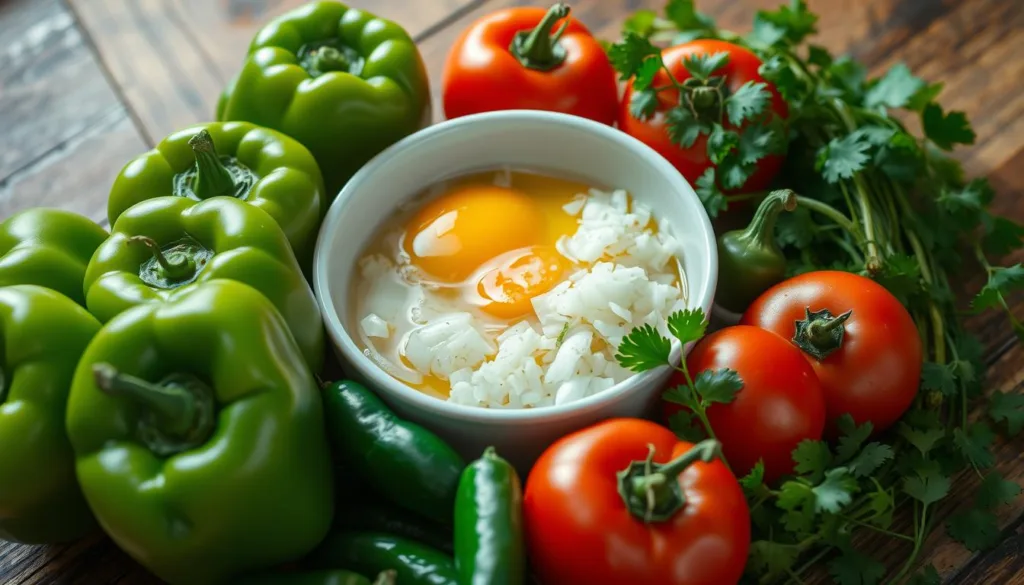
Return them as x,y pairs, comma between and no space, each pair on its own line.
651,490
820,333
538,48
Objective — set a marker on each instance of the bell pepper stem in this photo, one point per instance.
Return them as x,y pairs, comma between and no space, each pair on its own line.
212,177
651,491
175,267
328,58
173,406
538,48
761,230
820,333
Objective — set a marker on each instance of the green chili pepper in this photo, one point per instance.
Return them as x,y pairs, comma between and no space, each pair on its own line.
370,553
749,260
336,577
372,516
406,463
489,523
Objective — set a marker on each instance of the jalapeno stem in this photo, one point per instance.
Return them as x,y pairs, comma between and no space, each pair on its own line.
176,266
179,409
212,177
651,491
538,48
820,333
761,230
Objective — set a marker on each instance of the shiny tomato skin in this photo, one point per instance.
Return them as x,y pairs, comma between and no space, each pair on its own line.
781,402
482,75
875,374
693,161
580,533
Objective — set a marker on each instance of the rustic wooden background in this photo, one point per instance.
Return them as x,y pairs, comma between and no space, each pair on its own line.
85,85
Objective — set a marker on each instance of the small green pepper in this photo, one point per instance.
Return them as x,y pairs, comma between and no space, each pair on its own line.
749,260
489,523
404,462
335,577
366,515
50,248
262,167
370,553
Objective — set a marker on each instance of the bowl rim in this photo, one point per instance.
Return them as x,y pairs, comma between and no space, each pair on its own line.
385,384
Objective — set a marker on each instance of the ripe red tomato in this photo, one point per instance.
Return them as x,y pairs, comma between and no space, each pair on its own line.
780,404
693,161
580,530
874,368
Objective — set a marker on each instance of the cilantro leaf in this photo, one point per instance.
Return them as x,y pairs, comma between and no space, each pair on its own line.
790,23
703,65
1001,282
629,55
747,102
901,275
976,529
967,203
782,77
996,491
646,73
849,75
755,478
707,190
938,377
1008,409
835,492
798,501
923,439
842,157
685,16
855,568
721,143
946,130
733,173
644,349
717,386
680,394
683,127
924,96
640,23
812,458
928,576
871,457
756,142
852,437
771,557
882,506
819,56
974,444
687,325
686,426
895,89
1002,236
643,104
795,228
927,488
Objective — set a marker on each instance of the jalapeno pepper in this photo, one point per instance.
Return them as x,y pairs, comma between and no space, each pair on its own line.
749,260
404,462
370,553
489,523
336,577
372,516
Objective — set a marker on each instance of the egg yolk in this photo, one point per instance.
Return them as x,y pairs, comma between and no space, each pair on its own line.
454,235
517,277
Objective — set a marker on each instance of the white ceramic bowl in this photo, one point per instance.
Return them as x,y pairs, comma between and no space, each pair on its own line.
559,144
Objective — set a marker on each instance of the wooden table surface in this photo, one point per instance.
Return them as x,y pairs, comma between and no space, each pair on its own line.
85,85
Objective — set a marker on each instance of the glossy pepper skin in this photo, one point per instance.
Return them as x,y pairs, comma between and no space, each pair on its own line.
199,438
398,459
364,513
369,553
341,81
262,167
749,260
49,248
530,58
221,237
489,548
42,336
336,577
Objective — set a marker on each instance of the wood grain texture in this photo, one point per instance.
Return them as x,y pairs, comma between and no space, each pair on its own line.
171,59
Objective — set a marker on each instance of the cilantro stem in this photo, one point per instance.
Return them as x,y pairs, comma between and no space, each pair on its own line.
828,211
920,530
877,528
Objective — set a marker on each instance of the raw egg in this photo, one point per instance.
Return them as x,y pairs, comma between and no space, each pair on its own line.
507,288
452,236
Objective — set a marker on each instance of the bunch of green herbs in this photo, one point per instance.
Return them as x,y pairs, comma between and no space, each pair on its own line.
876,200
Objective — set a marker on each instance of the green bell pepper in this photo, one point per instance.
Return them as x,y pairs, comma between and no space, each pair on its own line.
168,243
42,336
257,165
341,81
50,248
199,436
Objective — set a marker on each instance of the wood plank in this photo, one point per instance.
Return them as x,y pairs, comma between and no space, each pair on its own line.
51,87
172,59
1004,565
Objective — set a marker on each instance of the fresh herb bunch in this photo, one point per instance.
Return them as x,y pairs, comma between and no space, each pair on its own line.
875,200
